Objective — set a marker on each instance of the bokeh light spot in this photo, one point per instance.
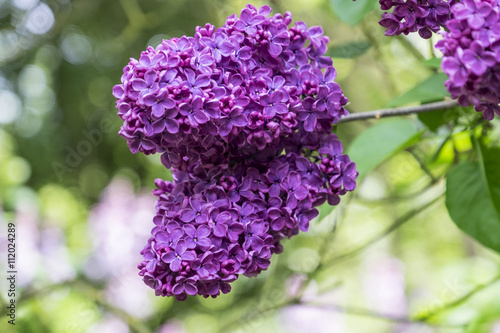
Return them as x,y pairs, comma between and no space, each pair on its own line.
156,40
24,4
29,124
40,19
76,48
32,81
11,107
17,171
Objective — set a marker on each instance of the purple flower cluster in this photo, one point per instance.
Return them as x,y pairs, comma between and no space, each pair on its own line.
471,55
250,83
217,221
243,116
424,16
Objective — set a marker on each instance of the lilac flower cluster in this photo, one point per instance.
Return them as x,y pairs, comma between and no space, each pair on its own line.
217,221
242,115
424,16
250,83
471,55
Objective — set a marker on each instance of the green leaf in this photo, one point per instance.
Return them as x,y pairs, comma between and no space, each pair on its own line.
352,12
432,62
349,50
380,142
433,120
430,90
473,197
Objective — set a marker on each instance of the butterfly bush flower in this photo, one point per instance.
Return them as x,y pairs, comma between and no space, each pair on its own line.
471,55
424,16
242,115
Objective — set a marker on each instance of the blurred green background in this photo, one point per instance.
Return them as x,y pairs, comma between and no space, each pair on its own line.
388,259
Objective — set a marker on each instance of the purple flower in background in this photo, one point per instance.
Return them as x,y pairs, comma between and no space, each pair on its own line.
392,24
471,55
489,110
473,11
408,16
476,59
410,10
455,69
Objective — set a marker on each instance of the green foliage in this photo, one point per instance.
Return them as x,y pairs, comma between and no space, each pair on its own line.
473,197
432,62
380,142
352,12
349,50
429,90
433,120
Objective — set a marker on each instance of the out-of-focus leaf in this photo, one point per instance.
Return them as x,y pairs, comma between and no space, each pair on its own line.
432,62
349,50
352,12
430,90
380,142
432,119
473,198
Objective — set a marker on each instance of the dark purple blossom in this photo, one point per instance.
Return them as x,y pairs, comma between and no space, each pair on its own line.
422,16
234,119
184,285
159,103
273,104
249,22
194,112
471,55
197,236
177,255
473,11
206,266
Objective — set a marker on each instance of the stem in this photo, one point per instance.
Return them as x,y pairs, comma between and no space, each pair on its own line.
460,300
348,310
377,114
324,246
422,165
93,293
397,223
410,47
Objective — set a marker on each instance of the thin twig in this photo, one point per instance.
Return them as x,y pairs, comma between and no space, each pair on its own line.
410,48
324,245
424,167
348,310
377,114
458,301
397,223
92,292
